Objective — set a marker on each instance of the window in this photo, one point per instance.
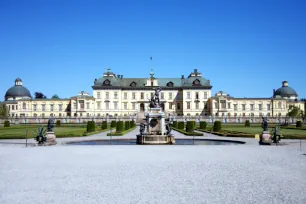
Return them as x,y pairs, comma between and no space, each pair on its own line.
107,105
260,106
188,105
34,107
60,107
60,114
74,105
98,95
133,95
133,84
197,105
197,95
115,105
125,106
170,96
162,95
170,84
260,114
188,95
125,95
107,95
228,105
43,107
141,95
13,107
87,105
178,105
51,107
35,115
152,83
268,106
216,104
223,104
252,107
279,105
243,107
98,105
170,106
16,107
24,106
205,95
115,95
87,114
133,106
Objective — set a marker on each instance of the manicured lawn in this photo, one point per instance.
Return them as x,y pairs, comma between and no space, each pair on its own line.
19,131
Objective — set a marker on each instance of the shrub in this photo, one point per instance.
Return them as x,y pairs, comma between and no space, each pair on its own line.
91,126
217,126
58,123
203,125
247,123
7,123
181,125
190,126
299,123
194,124
113,124
127,125
132,124
119,126
104,125
174,124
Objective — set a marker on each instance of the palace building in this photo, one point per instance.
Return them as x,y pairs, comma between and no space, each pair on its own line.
114,95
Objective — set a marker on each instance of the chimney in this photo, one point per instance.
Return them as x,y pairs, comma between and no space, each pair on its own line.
182,76
118,76
195,70
121,76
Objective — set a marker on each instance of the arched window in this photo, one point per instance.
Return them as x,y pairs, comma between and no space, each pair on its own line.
133,84
196,83
24,106
107,82
170,84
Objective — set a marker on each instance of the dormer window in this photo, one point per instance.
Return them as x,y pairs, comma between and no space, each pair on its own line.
106,82
133,84
170,84
196,83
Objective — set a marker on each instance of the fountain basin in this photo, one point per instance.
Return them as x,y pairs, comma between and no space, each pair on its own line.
155,139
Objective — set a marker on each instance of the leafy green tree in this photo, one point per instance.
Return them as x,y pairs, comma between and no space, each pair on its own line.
39,95
55,96
294,111
3,110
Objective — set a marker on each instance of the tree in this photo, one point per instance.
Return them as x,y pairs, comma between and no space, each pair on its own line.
3,110
39,95
294,111
55,96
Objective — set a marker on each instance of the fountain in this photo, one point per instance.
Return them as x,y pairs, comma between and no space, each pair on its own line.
155,131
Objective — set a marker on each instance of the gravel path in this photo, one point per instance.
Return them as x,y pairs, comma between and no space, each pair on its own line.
246,173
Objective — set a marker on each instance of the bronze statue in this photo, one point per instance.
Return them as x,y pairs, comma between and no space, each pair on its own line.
168,128
142,128
50,125
264,124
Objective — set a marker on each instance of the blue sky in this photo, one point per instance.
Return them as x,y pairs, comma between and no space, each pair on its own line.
245,47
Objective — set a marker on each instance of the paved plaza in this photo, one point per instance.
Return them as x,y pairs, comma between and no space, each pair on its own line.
246,173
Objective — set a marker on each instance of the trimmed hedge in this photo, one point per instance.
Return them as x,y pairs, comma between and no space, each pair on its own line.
181,125
217,126
58,123
121,133
127,125
104,125
247,123
91,126
299,123
119,126
113,124
174,124
190,126
188,133
132,124
203,125
7,123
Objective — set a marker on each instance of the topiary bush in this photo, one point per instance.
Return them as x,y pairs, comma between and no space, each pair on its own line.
119,126
7,123
299,123
132,124
217,126
113,124
194,124
181,125
247,123
104,125
91,126
190,126
203,125
174,124
127,125
58,123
